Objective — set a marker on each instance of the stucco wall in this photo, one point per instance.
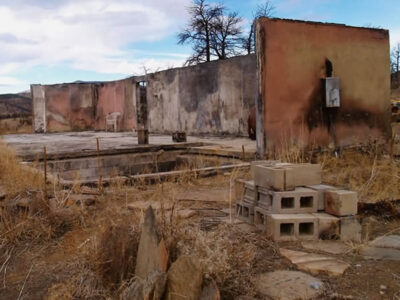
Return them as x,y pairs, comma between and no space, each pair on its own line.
291,64
209,98
213,98
83,106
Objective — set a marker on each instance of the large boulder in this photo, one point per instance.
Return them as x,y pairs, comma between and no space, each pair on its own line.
185,279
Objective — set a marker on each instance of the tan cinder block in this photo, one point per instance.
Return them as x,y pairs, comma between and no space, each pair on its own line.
264,199
250,192
320,189
260,218
292,227
246,213
307,174
267,163
350,229
341,202
301,200
275,178
328,226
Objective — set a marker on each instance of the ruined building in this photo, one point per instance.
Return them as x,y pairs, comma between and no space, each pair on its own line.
316,84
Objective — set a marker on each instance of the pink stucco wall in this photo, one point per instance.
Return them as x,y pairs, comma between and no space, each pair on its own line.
84,106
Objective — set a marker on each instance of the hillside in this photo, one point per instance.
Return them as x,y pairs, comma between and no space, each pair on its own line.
15,105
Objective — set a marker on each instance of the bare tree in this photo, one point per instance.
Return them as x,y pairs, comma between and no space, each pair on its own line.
263,10
395,59
198,31
225,37
395,65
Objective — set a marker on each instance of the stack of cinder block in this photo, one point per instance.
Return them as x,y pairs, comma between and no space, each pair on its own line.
290,203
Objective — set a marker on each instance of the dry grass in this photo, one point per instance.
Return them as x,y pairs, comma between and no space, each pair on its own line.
16,125
15,177
115,254
370,173
366,170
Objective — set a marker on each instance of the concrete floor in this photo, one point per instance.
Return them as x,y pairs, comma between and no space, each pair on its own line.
86,141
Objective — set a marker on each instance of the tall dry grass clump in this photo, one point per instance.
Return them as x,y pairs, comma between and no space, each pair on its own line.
114,254
14,176
368,171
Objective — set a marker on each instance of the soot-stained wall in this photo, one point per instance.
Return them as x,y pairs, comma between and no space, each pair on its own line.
209,98
291,62
83,106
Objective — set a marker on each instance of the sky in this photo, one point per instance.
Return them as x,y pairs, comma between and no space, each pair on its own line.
55,41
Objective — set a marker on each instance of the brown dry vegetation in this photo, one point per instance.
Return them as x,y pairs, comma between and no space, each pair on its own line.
16,125
62,249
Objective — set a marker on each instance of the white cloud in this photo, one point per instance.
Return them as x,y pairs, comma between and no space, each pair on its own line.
394,37
87,34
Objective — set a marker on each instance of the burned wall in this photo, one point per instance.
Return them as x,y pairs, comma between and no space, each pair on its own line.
83,106
209,98
294,57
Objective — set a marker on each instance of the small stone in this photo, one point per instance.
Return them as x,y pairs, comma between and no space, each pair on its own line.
383,287
316,285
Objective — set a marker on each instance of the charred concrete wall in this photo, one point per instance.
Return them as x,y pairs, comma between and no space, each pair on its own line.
209,98
293,57
83,106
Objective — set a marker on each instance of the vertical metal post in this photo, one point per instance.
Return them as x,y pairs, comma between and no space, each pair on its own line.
45,171
100,183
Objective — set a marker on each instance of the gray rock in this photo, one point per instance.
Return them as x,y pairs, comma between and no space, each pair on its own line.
380,253
152,253
288,285
387,241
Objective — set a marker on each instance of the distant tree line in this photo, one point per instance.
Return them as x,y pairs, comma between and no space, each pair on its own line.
215,32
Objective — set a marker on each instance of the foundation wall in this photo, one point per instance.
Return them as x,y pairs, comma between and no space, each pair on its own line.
292,59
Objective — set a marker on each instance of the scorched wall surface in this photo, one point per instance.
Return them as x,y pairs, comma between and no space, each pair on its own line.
292,63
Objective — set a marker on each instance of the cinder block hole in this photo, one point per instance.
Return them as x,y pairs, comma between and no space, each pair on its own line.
246,212
287,229
306,201
306,228
287,202
259,218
